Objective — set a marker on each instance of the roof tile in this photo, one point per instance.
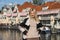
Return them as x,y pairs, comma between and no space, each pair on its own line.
51,5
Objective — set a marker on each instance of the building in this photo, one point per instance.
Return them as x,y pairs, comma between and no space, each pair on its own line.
9,15
19,12
45,11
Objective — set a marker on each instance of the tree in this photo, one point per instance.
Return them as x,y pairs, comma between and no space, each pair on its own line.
35,1
38,2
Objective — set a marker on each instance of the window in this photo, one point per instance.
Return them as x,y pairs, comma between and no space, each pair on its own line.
45,8
14,17
45,21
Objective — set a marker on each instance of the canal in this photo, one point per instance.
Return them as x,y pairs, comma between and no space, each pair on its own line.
12,33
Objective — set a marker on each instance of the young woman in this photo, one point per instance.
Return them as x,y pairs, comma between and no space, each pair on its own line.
31,26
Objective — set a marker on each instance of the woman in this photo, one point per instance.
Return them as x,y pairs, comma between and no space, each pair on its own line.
31,26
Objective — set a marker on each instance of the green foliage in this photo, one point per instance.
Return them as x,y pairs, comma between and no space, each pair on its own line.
38,2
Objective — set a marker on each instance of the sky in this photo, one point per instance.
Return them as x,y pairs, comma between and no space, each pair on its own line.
6,2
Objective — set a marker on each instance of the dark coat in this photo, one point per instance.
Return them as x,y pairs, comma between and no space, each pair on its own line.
23,25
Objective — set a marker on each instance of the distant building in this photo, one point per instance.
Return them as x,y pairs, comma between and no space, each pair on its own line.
45,12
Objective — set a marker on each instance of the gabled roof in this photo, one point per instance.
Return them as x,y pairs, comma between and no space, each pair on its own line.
26,5
51,5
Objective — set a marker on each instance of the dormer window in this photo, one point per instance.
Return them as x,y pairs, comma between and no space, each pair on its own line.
45,8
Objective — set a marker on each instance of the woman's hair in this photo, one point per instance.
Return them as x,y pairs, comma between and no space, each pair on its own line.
36,17
32,10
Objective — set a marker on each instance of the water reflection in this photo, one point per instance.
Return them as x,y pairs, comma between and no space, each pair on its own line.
50,36
14,34
46,36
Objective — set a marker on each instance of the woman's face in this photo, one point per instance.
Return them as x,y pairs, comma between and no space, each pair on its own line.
32,14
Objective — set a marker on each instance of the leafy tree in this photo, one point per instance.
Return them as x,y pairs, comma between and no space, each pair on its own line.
38,2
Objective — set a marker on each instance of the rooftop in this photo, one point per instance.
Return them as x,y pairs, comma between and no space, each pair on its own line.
51,5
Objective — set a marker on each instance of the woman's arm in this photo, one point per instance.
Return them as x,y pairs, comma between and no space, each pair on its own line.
22,27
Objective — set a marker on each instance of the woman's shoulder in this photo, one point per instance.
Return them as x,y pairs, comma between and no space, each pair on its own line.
40,22
26,18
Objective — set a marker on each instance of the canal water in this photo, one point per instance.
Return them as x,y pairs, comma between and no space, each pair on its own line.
10,35
15,34
55,37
